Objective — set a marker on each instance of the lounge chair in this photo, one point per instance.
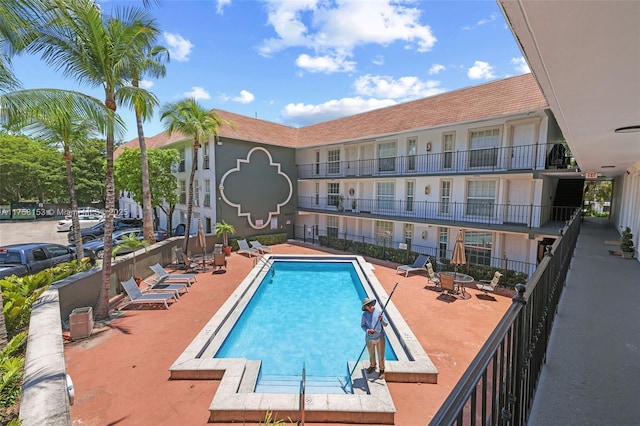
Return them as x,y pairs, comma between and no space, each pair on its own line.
183,261
433,277
244,248
486,286
137,296
418,265
448,284
258,246
164,276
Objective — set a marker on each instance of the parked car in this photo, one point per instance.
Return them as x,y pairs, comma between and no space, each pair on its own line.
26,259
97,231
96,247
87,219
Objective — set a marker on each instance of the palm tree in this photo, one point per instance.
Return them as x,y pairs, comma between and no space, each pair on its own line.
149,62
95,49
192,120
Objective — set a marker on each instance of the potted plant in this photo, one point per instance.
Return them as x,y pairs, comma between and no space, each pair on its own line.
353,205
130,242
339,201
626,243
224,229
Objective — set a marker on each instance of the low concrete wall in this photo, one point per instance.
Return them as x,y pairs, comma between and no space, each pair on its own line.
45,399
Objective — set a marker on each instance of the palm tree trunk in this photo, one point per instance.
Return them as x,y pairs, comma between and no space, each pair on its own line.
75,221
4,339
102,307
194,164
147,214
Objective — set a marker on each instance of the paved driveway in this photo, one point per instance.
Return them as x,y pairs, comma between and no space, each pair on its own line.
31,231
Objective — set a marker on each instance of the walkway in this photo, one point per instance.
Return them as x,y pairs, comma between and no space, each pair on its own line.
592,373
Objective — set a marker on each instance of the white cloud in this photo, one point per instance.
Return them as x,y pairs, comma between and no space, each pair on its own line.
326,64
197,93
335,29
220,5
482,22
145,84
306,114
436,68
179,47
378,60
245,97
521,65
481,70
404,88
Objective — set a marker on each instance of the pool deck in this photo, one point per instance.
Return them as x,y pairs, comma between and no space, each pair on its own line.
121,373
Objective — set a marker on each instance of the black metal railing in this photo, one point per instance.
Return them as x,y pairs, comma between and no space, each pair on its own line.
479,212
499,385
524,157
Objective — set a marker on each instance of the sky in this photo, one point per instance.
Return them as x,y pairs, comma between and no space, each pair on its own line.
300,62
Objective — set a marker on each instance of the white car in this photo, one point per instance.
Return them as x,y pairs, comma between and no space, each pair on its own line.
87,220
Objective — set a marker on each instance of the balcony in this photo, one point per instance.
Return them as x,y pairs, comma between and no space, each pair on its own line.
485,213
490,160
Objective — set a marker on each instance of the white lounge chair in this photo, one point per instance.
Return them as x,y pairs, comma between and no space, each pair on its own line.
418,265
433,277
137,296
244,248
258,246
165,277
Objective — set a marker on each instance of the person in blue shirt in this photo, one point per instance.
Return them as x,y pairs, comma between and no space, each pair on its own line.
373,323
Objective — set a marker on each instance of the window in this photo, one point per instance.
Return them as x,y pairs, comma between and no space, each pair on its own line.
481,197
448,140
445,197
196,193
410,191
57,251
333,194
333,161
317,200
408,234
477,247
443,239
412,150
483,146
207,193
387,157
181,166
317,162
332,226
385,196
384,233
205,156
183,192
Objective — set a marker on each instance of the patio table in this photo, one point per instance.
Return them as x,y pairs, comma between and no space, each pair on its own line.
460,279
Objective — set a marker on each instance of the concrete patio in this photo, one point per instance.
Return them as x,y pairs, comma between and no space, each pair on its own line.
121,373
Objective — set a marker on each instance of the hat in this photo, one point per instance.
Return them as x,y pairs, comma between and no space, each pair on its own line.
366,301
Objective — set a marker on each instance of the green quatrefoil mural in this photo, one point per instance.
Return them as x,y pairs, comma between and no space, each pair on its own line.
256,187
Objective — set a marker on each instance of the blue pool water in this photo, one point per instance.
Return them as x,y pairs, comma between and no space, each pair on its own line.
305,314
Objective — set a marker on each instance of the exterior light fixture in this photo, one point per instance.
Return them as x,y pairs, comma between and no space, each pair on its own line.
628,129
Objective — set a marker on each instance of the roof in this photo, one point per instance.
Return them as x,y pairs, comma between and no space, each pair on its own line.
495,99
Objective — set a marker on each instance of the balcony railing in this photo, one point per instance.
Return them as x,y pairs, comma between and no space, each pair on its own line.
524,157
499,385
486,213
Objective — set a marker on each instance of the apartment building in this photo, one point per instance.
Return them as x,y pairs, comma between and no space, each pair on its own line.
488,160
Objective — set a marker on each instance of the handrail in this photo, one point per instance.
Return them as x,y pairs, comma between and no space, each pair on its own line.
303,386
504,374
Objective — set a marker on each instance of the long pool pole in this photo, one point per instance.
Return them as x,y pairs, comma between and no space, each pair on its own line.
365,345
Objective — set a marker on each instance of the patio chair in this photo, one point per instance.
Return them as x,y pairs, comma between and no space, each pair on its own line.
219,261
162,276
244,248
137,296
448,284
433,277
258,246
486,286
418,265
184,262
217,248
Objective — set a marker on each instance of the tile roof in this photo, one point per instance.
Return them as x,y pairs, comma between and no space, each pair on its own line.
495,99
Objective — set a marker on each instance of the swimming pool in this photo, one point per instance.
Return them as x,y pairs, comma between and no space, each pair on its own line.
239,396
304,314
